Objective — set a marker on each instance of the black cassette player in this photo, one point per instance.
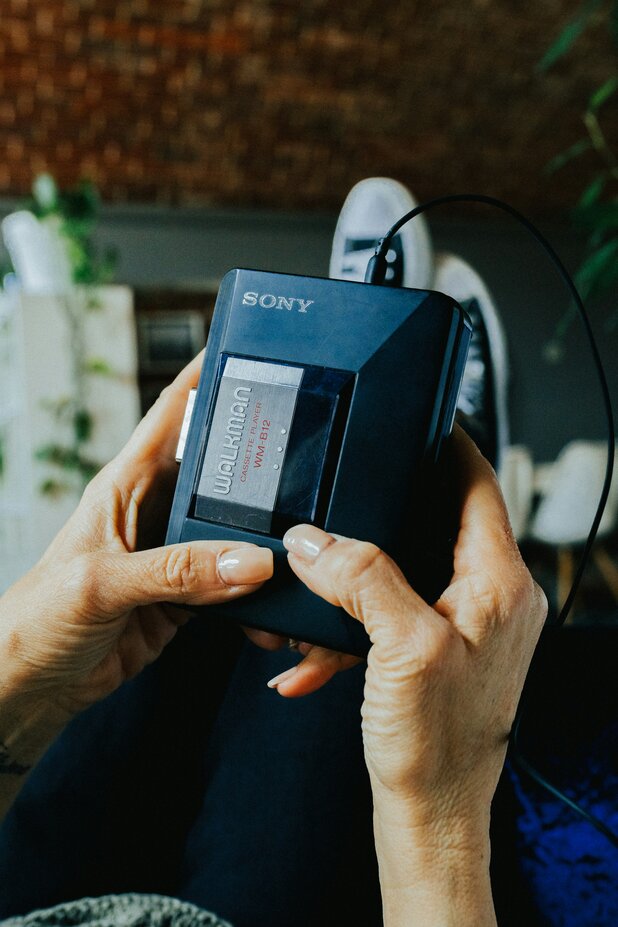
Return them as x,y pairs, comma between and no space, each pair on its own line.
320,401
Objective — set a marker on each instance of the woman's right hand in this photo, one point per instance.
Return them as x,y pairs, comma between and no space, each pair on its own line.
441,690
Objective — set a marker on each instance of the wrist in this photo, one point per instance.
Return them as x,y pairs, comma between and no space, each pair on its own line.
434,868
28,726
440,813
30,720
27,729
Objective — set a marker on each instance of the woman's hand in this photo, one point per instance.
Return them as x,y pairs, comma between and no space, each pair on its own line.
441,691
98,607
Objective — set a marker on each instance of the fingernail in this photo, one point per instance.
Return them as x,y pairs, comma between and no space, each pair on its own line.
245,566
307,541
282,677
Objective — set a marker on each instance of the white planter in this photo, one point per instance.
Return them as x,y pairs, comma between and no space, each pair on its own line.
38,368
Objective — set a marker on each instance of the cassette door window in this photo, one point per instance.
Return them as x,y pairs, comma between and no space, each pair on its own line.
272,444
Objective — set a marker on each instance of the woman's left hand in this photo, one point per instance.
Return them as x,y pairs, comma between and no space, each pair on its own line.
102,602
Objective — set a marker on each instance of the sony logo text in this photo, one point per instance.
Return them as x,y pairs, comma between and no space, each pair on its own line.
270,301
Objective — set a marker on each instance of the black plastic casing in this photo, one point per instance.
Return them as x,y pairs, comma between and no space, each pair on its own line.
406,350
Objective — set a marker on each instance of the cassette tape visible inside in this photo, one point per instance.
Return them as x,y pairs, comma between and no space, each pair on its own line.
272,444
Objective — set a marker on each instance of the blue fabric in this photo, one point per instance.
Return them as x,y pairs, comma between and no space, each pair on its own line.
571,868
570,734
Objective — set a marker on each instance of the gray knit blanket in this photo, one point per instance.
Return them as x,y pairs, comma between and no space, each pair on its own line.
119,911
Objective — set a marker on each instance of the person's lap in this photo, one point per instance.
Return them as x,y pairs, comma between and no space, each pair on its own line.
284,834
109,806
197,780
138,794
263,817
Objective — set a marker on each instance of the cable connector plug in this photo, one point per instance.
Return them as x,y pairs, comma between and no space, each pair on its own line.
377,266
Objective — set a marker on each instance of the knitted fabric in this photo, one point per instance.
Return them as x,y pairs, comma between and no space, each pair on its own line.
119,911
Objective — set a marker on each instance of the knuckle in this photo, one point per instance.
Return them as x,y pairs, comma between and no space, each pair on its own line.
419,655
166,393
440,642
95,498
487,607
509,596
522,591
83,580
180,570
542,605
520,596
91,490
360,564
486,596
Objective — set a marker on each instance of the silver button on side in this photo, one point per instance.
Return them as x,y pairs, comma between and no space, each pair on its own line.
184,431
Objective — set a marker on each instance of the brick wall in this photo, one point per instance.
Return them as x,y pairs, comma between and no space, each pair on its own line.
285,103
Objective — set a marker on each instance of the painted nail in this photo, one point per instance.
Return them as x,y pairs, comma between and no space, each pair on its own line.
282,677
307,541
245,566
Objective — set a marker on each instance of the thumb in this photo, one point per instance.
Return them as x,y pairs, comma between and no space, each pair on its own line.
197,573
363,580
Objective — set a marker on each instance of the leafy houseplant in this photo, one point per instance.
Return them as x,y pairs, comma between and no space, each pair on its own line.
74,215
71,216
596,212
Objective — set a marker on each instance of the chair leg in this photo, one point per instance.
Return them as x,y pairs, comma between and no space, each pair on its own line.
565,578
607,568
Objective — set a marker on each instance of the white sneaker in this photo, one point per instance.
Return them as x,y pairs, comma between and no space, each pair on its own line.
483,395
370,209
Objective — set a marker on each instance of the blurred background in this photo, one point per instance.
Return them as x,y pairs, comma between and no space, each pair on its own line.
160,144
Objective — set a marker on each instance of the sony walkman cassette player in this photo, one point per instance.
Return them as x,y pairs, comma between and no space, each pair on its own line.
320,401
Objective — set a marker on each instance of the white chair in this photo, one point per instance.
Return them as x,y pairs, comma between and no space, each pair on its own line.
567,508
517,482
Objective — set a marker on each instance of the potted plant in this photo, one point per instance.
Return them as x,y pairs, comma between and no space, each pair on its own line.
596,211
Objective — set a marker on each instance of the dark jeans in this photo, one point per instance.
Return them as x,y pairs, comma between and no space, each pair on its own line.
196,780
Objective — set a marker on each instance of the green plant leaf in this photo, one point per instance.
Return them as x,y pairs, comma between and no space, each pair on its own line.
583,145
593,191
88,469
603,93
605,281
597,218
67,458
109,263
597,271
59,456
76,211
59,408
81,205
82,425
569,35
54,488
90,195
6,268
97,365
